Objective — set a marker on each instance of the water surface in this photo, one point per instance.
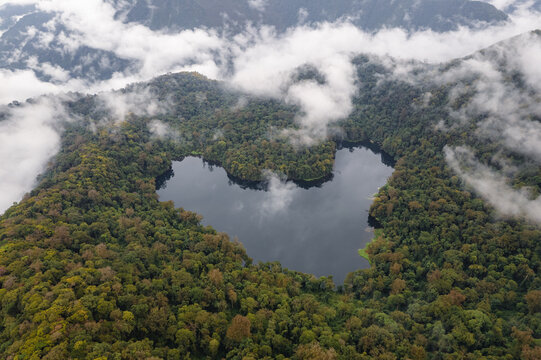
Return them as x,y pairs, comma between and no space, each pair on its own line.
316,229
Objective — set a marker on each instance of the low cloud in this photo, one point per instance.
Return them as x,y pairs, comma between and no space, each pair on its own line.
501,4
138,101
163,131
23,84
29,138
510,5
265,66
258,5
264,63
93,24
18,2
504,83
263,60
493,186
507,110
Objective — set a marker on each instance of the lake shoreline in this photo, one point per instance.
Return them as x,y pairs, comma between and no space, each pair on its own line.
307,227
386,159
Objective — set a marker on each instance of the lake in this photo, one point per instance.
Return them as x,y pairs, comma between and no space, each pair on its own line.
314,229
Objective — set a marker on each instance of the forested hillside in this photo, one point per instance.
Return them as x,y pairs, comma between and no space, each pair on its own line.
40,39
94,266
438,15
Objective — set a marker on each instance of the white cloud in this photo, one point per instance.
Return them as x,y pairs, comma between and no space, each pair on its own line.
23,84
55,72
162,130
501,4
258,5
506,115
92,23
16,2
29,138
302,15
263,61
137,101
492,186
507,5
266,65
506,109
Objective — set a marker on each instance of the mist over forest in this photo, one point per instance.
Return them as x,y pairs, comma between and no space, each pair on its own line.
99,97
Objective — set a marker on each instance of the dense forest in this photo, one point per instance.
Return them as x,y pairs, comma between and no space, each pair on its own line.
94,266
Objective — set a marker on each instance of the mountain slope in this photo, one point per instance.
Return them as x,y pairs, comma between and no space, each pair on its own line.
93,265
41,41
437,15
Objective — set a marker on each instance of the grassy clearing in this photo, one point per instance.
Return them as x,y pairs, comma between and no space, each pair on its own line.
378,233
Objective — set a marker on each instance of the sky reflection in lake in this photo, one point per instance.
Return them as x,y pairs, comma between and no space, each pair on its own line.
316,230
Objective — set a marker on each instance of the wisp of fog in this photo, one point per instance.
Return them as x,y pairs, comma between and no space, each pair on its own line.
260,61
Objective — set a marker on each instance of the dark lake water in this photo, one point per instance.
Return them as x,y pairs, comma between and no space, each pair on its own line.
314,229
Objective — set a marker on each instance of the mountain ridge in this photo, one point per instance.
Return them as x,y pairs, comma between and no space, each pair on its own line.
92,265
30,39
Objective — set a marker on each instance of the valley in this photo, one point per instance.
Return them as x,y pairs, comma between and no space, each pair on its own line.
122,208
313,228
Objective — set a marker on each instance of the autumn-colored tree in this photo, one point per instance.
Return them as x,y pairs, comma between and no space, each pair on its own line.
314,351
533,299
239,328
